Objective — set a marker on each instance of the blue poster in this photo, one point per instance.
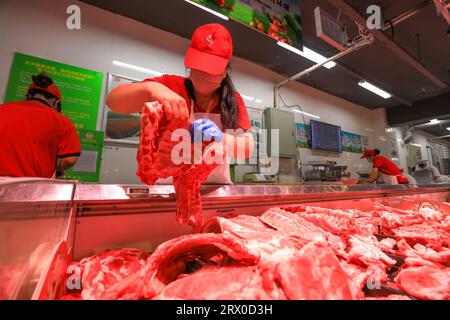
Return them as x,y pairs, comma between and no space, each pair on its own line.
351,142
303,135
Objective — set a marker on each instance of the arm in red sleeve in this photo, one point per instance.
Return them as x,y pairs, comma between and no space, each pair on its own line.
68,142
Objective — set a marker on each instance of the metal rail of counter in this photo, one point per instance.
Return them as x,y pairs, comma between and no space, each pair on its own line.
126,199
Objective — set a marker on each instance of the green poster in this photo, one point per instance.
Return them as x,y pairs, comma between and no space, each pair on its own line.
81,88
87,168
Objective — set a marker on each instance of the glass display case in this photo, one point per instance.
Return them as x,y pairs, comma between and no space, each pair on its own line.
36,220
46,224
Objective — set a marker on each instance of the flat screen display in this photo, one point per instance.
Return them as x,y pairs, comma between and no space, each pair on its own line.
326,137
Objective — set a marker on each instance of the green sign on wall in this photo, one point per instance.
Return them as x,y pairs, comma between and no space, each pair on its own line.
88,166
81,88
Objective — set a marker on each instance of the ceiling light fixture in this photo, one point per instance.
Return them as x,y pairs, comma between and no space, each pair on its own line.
306,114
222,16
137,68
374,89
308,54
248,98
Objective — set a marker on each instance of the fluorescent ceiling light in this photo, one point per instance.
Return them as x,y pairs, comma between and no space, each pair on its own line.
306,114
374,89
137,68
308,54
399,140
248,98
415,144
434,121
224,17
448,128
258,101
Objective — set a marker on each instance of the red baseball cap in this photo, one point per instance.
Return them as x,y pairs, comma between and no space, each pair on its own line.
51,89
211,49
369,153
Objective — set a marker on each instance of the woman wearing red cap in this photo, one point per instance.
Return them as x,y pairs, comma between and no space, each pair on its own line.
207,96
35,134
383,166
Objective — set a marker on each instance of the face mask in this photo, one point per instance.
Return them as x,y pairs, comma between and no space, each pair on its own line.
204,83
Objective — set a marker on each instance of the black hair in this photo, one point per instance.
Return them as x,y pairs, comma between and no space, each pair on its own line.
44,81
377,151
228,103
228,106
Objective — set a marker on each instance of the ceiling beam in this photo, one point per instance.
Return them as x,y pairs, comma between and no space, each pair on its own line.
421,110
389,43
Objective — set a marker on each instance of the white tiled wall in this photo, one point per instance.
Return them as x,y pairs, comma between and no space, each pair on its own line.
39,28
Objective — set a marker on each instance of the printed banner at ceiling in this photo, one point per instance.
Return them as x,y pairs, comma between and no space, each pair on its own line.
279,19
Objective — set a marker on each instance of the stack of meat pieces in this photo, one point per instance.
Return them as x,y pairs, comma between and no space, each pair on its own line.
297,252
155,161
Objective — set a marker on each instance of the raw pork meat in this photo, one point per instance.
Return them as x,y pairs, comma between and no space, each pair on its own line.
170,258
367,251
102,271
298,252
218,283
155,162
425,282
315,273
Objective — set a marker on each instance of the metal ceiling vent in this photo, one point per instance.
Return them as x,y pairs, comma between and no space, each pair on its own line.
330,30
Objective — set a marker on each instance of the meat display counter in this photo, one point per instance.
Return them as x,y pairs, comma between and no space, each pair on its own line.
46,224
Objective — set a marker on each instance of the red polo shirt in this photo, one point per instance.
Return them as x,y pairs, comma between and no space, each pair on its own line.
386,166
177,85
32,137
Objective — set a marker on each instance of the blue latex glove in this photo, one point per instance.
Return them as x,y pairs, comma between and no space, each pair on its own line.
205,129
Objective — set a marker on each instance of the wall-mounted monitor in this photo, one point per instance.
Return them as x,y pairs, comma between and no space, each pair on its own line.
326,137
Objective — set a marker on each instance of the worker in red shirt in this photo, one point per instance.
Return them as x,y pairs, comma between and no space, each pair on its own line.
35,135
206,96
383,166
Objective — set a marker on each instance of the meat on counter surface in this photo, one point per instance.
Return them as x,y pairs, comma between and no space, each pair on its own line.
296,252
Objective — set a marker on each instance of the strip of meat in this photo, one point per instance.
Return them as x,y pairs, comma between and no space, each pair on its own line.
104,270
361,277
390,297
170,259
244,227
425,282
289,222
367,251
315,273
422,233
154,162
219,283
387,245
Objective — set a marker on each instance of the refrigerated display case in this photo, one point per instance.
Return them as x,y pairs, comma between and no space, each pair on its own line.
36,217
47,224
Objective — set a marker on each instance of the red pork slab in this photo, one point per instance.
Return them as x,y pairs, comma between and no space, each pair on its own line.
315,273
366,251
104,270
425,282
155,162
